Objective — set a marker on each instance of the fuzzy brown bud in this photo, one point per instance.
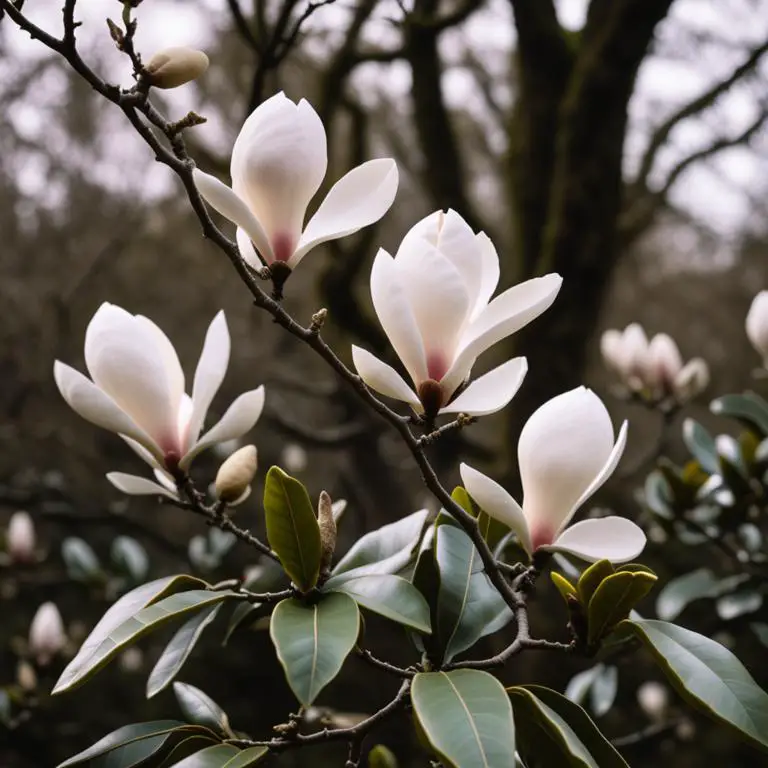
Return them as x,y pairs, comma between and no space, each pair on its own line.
235,475
327,525
173,67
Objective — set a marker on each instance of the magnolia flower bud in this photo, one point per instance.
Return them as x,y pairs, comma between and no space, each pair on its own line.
26,677
653,699
692,380
46,633
327,525
173,67
20,538
757,325
294,458
234,478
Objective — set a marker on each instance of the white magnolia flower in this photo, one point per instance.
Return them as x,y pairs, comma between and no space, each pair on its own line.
46,633
138,389
20,538
757,325
566,452
278,162
654,366
433,301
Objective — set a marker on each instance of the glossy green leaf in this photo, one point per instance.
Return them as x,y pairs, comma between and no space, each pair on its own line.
128,734
244,614
739,603
591,578
292,528
387,549
658,495
146,620
493,530
247,757
178,649
564,587
747,407
761,631
613,599
200,709
676,594
701,445
130,557
426,578
576,738
203,738
579,685
708,676
602,692
80,560
382,757
127,606
216,756
466,717
467,601
390,596
312,641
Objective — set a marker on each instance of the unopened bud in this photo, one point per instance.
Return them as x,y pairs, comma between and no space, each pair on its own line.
26,677
20,538
46,633
235,475
327,525
653,699
173,67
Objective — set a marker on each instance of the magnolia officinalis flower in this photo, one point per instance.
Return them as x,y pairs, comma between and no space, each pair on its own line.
757,325
654,366
20,538
566,452
138,389
46,633
433,301
278,162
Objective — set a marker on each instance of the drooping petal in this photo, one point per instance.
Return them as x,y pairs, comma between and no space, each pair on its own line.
383,378
439,300
125,361
490,273
496,503
396,316
757,324
222,199
358,199
492,391
138,486
278,163
210,372
564,446
607,538
239,418
88,401
166,480
142,452
505,315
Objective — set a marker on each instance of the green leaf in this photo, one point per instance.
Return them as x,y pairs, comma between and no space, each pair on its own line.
312,641
130,557
467,601
217,756
292,528
128,605
203,738
708,676
426,578
466,717
493,530
200,709
761,631
658,495
381,757
244,613
701,445
145,621
678,593
390,596
591,578
177,651
247,757
614,599
564,587
737,604
128,734
80,560
387,549
747,407
602,692
579,685
567,726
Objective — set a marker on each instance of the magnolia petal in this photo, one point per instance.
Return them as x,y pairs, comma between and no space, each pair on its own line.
88,401
166,481
211,368
496,503
142,452
359,198
222,199
168,353
489,261
396,316
505,315
238,419
663,362
634,351
607,538
247,251
492,391
692,379
611,349
138,486
383,378
756,323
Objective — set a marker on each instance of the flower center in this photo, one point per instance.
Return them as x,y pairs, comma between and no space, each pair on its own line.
542,536
437,365
432,396
282,246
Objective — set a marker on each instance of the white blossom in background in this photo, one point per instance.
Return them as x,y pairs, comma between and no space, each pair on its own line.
565,453
757,325
654,368
20,538
294,457
653,699
433,300
138,391
279,160
46,634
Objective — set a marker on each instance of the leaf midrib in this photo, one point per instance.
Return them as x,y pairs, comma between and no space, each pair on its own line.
469,718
